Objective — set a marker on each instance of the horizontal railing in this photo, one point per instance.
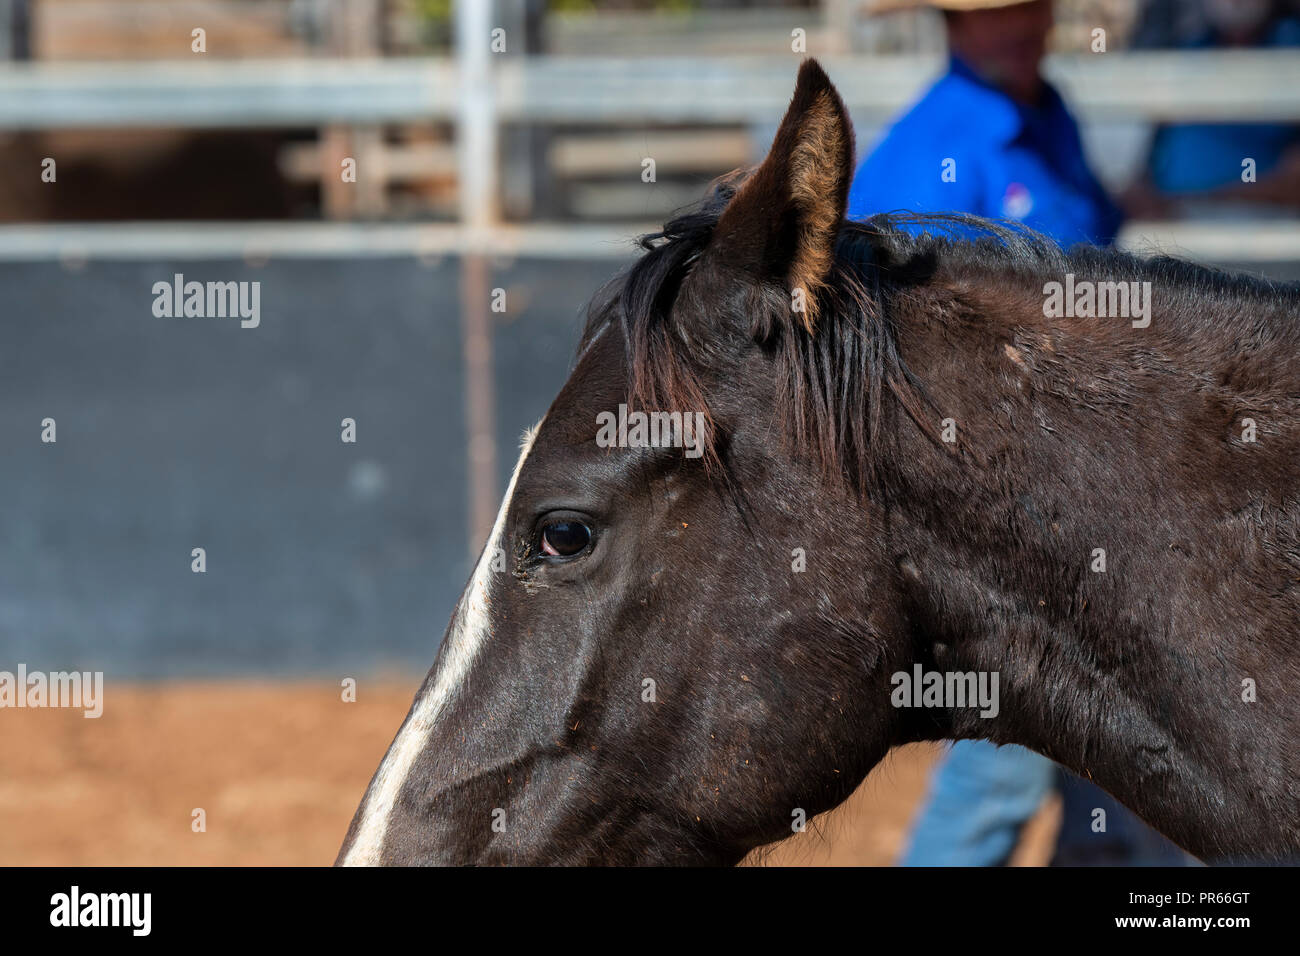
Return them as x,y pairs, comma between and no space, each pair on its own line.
1269,241
1155,86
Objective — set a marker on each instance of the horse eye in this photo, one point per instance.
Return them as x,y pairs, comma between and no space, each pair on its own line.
565,538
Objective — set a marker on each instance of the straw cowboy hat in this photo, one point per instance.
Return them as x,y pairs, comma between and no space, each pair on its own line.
891,6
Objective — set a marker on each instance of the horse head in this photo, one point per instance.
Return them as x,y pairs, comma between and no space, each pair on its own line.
745,515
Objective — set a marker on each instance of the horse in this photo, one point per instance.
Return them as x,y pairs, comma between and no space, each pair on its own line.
918,460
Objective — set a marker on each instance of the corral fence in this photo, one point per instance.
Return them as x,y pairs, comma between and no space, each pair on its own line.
479,93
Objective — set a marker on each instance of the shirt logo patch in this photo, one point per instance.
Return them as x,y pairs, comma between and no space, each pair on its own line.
1016,201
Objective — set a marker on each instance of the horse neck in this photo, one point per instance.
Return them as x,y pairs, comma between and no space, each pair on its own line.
1105,541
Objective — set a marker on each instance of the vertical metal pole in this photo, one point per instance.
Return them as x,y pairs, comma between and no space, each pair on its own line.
15,30
841,19
476,146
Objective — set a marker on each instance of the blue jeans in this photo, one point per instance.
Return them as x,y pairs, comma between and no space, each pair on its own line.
982,795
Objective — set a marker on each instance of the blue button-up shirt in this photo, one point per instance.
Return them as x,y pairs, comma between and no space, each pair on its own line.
968,147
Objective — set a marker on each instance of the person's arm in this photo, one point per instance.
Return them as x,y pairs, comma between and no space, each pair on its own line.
1142,200
1279,187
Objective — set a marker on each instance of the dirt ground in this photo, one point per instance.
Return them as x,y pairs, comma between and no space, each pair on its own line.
279,769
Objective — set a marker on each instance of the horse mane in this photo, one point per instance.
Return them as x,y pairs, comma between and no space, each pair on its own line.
831,381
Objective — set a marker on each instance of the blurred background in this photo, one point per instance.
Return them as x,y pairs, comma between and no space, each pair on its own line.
428,192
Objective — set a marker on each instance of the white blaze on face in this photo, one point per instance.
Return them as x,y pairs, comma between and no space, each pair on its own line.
467,635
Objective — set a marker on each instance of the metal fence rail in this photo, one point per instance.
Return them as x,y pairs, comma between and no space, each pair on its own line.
1205,85
1274,241
477,93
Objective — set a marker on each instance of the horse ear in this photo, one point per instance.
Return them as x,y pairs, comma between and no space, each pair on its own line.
782,223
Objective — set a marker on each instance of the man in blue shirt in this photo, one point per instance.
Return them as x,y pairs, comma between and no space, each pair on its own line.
991,137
